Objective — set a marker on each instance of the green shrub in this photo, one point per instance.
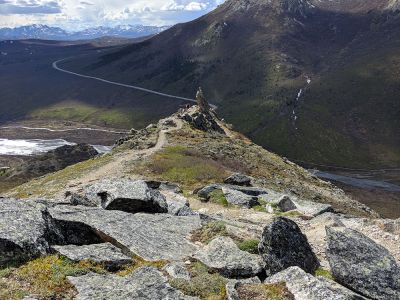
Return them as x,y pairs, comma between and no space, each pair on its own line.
250,246
202,284
179,164
218,197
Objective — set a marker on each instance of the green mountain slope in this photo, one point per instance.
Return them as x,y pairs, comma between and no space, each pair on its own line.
314,80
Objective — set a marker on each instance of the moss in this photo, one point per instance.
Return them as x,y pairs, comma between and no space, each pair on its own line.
218,197
47,276
324,273
264,291
188,167
209,231
250,246
292,213
202,284
6,272
139,262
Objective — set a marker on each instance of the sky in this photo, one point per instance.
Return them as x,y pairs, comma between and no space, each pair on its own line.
80,14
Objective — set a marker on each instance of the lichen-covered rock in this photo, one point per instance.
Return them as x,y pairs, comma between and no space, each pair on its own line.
23,230
304,286
121,194
177,270
106,254
238,179
145,284
285,204
223,256
362,265
238,198
234,284
178,205
310,208
205,191
283,245
150,236
204,121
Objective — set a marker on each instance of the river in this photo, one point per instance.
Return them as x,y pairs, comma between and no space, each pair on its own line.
29,147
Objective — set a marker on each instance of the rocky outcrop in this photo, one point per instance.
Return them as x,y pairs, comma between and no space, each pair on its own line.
105,254
238,198
23,231
362,265
283,245
223,256
238,179
201,120
205,191
304,286
145,283
121,194
151,236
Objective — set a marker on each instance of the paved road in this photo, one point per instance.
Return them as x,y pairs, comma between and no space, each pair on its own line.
55,66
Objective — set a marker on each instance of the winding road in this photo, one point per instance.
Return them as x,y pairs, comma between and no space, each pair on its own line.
56,67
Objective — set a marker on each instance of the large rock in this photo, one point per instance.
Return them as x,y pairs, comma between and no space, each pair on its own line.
205,121
23,231
308,208
238,179
178,205
238,198
121,194
106,254
152,237
283,245
304,286
144,284
223,256
362,265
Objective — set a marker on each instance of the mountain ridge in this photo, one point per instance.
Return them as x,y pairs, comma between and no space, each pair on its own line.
294,76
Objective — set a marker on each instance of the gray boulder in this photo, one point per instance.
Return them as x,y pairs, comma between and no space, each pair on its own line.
283,245
304,286
106,254
285,204
223,256
150,236
121,194
234,284
177,270
205,191
362,265
238,179
178,205
238,198
23,231
145,284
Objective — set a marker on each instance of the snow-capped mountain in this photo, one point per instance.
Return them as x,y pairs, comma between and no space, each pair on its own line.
38,31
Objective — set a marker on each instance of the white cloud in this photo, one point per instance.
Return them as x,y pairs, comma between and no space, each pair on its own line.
76,14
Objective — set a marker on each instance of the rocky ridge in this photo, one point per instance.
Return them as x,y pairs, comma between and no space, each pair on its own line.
163,237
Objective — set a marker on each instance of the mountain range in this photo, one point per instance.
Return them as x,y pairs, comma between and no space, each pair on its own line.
39,31
314,80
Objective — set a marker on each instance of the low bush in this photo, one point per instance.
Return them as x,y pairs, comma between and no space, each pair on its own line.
250,246
209,231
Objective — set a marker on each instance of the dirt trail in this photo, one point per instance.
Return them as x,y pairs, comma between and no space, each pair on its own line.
118,163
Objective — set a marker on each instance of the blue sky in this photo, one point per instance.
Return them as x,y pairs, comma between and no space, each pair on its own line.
80,14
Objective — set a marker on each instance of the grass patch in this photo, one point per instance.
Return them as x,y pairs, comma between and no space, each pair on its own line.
139,262
202,284
324,273
47,276
218,197
292,213
250,246
208,232
188,167
85,113
264,291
